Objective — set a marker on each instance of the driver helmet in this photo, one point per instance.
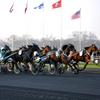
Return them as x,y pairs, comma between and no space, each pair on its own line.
2,48
36,53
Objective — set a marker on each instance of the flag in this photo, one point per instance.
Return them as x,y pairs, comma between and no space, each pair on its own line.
40,6
26,7
11,8
57,4
76,15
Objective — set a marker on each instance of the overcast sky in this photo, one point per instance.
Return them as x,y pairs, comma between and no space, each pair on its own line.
48,22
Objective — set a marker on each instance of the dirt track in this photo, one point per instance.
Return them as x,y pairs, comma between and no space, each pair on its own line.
84,86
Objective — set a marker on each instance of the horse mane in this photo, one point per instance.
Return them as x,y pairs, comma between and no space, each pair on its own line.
64,47
54,48
29,46
48,47
93,45
6,47
36,47
86,48
69,45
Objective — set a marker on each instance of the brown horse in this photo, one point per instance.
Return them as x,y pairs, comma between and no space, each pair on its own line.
85,57
60,57
45,50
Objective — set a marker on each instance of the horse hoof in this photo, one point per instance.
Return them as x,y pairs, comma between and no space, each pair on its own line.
76,72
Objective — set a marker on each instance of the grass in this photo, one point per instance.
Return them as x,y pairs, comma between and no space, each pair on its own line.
91,65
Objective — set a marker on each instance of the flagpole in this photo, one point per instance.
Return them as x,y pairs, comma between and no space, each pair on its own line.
27,25
80,39
61,25
61,29
55,5
12,42
43,25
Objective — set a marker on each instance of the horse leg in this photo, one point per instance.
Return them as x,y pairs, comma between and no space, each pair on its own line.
16,69
56,66
87,60
73,68
61,68
53,67
85,66
33,68
30,66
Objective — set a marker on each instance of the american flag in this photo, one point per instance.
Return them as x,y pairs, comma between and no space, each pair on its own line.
76,15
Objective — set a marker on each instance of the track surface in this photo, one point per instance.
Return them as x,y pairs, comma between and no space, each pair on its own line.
25,86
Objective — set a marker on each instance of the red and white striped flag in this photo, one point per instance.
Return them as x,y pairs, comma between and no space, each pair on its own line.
57,4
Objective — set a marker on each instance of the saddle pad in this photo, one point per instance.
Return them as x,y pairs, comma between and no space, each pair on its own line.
1,57
43,58
20,52
57,54
37,59
81,53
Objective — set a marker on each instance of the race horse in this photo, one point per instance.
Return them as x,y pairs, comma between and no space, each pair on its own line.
42,59
46,57
67,51
85,56
25,55
6,60
59,57
22,55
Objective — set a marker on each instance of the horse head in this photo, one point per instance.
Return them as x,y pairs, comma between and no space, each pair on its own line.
54,48
46,49
91,49
94,47
35,47
7,48
67,48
